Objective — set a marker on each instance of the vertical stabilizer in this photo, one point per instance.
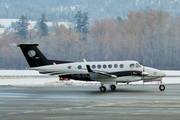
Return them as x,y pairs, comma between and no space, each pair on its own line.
33,55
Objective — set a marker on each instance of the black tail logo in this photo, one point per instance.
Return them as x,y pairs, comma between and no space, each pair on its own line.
33,55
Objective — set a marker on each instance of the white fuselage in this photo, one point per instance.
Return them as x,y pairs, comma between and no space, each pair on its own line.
126,71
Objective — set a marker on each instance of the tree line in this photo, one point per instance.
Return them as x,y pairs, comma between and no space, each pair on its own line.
57,10
150,37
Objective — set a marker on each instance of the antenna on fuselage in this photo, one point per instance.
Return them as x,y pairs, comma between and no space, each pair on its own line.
84,60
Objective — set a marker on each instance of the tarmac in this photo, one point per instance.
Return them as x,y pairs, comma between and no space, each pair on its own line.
128,102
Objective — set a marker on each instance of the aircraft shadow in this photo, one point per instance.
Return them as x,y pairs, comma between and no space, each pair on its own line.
123,91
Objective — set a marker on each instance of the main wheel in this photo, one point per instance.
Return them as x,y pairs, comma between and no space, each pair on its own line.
102,88
113,87
162,87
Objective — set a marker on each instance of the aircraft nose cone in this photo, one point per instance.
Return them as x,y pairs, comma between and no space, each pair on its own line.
163,73
154,72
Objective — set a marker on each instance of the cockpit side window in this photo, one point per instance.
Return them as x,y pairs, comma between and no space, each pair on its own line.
131,65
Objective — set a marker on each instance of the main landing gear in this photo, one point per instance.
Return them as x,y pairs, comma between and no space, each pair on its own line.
103,88
162,87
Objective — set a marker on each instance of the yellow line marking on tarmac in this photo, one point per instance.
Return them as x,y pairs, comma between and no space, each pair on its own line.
28,112
12,113
79,107
54,109
67,108
89,107
41,110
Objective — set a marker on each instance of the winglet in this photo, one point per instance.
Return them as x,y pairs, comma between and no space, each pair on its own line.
89,68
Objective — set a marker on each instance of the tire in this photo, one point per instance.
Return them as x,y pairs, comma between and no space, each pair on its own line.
162,87
113,87
102,88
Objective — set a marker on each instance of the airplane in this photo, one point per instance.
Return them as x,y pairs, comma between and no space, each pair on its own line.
106,72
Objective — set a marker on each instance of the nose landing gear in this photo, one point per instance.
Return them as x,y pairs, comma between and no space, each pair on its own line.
162,87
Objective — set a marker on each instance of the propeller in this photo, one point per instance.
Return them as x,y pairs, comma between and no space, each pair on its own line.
144,74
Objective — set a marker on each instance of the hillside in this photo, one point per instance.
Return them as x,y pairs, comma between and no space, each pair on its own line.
57,10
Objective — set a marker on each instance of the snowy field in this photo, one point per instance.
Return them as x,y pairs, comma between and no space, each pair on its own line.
33,78
7,23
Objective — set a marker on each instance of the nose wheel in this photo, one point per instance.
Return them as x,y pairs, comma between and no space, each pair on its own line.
162,87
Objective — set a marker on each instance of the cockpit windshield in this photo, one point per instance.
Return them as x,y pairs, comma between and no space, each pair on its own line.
138,65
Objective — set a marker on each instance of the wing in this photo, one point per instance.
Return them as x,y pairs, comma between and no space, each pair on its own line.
99,75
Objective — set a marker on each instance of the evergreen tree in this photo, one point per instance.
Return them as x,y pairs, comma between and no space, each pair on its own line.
85,23
14,25
43,29
1,26
119,19
82,22
22,28
79,18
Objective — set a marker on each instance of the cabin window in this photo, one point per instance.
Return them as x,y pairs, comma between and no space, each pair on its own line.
104,66
93,66
115,65
69,67
79,66
99,66
121,65
109,66
131,65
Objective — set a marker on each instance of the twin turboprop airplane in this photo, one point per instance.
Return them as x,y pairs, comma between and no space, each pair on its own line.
106,72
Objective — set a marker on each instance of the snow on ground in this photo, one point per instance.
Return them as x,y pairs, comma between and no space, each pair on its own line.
19,73
33,78
7,23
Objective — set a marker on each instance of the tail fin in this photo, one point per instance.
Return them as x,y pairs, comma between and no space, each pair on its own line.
33,55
